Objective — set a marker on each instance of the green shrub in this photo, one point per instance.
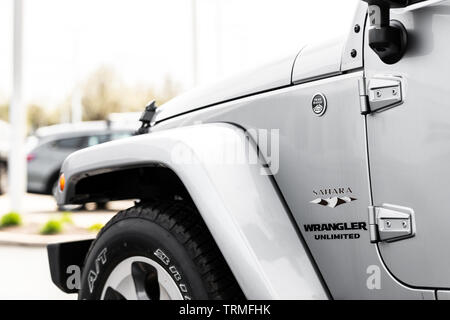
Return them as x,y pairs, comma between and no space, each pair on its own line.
96,227
11,219
52,227
66,218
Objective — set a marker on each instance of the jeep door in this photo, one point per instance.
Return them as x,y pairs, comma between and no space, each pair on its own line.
409,147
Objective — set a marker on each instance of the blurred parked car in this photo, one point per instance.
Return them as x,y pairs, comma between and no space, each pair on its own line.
4,148
49,146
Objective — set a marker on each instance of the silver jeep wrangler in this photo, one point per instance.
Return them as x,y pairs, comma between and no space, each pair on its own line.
323,175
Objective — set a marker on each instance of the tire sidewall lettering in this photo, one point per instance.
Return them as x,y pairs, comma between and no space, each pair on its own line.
108,258
174,273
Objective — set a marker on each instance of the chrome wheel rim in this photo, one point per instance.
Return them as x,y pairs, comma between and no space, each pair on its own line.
140,278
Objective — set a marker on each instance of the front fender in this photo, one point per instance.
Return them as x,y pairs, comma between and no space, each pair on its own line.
235,196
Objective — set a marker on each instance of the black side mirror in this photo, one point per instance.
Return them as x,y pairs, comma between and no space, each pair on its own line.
388,39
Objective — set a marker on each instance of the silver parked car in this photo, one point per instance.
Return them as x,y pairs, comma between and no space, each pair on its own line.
49,146
323,175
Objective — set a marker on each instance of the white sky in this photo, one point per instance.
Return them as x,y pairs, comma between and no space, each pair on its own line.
145,40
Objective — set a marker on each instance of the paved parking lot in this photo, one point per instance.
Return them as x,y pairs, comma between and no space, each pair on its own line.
24,274
24,270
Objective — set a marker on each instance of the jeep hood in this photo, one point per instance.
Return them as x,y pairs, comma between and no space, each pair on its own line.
274,75
313,61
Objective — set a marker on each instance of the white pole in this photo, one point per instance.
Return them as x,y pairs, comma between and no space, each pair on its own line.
194,43
16,162
76,103
219,38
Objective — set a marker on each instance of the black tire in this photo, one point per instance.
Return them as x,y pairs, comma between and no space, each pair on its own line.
173,227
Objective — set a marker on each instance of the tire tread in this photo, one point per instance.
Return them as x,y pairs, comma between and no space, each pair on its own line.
183,221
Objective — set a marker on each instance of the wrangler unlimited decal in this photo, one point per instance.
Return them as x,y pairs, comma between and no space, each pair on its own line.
339,226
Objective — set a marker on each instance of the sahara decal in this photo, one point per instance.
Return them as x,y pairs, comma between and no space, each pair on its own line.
333,197
324,229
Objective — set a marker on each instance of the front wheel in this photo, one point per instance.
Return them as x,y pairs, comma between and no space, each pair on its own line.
157,251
